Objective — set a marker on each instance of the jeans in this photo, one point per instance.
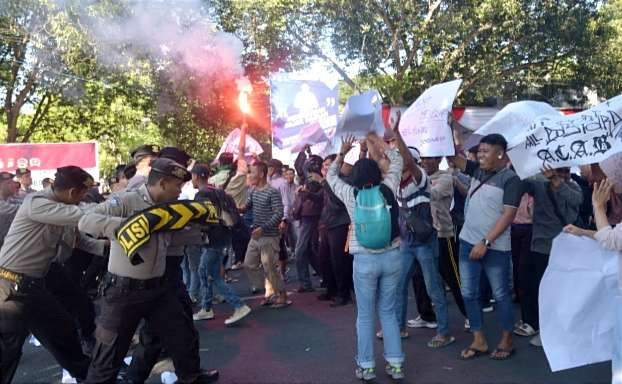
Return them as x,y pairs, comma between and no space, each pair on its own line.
495,265
616,359
307,249
427,256
211,261
376,279
190,268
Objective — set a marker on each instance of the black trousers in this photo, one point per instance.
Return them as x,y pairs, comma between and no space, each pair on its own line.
449,269
521,248
335,263
122,309
39,312
73,298
422,299
535,266
241,235
148,351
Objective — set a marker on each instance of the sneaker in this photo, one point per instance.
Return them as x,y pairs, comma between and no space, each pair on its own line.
238,314
395,371
420,323
525,330
536,341
236,266
467,325
488,309
365,374
203,315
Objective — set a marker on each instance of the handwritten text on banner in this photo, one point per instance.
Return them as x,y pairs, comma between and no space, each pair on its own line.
563,141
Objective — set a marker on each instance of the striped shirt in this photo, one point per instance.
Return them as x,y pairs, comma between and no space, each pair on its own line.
266,206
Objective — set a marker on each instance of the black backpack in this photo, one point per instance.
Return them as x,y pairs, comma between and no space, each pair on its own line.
418,219
220,234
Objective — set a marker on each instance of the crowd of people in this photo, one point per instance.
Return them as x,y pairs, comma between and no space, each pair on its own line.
391,220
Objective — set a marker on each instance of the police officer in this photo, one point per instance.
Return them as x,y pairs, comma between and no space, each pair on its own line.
8,203
142,157
148,351
25,180
29,248
130,292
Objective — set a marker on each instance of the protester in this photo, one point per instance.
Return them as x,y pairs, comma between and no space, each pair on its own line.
266,206
213,253
24,178
494,196
556,203
278,182
334,224
8,203
376,272
419,242
46,182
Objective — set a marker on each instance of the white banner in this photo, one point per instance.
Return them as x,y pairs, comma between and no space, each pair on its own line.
563,141
612,167
232,144
515,118
362,115
424,124
577,303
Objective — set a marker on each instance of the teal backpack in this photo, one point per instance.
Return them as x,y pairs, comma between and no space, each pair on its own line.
372,218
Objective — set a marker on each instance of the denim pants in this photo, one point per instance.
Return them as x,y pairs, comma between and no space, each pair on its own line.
376,279
428,257
190,268
616,359
495,265
209,271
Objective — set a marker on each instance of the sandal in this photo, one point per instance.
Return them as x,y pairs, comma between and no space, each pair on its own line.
502,353
475,353
439,341
525,330
281,304
267,302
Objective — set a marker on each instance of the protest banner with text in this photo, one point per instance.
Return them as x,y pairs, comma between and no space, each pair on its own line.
564,141
424,124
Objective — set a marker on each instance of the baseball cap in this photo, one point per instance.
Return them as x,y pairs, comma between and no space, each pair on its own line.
171,168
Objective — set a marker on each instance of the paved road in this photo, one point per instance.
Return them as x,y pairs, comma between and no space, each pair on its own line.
309,342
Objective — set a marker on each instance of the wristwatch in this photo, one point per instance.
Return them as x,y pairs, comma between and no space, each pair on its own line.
487,242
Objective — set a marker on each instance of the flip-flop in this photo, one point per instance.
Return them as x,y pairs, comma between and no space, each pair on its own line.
438,343
476,353
282,304
508,352
266,302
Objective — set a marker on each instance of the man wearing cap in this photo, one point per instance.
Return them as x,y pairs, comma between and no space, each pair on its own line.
142,157
25,180
29,248
130,293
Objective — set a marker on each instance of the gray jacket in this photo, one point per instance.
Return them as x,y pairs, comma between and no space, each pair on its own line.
546,224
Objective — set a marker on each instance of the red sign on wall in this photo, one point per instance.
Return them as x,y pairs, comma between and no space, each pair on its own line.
47,156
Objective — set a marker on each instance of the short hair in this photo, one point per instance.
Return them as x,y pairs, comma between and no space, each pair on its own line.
366,172
473,150
263,167
225,158
129,171
331,157
496,140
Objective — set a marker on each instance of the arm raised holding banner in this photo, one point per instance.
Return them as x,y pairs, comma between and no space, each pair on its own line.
409,162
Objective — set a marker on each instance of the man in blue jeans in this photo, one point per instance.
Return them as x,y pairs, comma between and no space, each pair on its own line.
485,245
414,191
212,255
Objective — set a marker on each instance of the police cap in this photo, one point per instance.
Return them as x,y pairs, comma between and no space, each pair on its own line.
180,156
169,167
73,177
144,150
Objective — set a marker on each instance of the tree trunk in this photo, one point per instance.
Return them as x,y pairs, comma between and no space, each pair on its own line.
12,116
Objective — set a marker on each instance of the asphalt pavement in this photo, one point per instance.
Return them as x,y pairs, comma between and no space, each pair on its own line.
309,342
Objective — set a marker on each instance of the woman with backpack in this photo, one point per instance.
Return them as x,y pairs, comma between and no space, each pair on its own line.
374,243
